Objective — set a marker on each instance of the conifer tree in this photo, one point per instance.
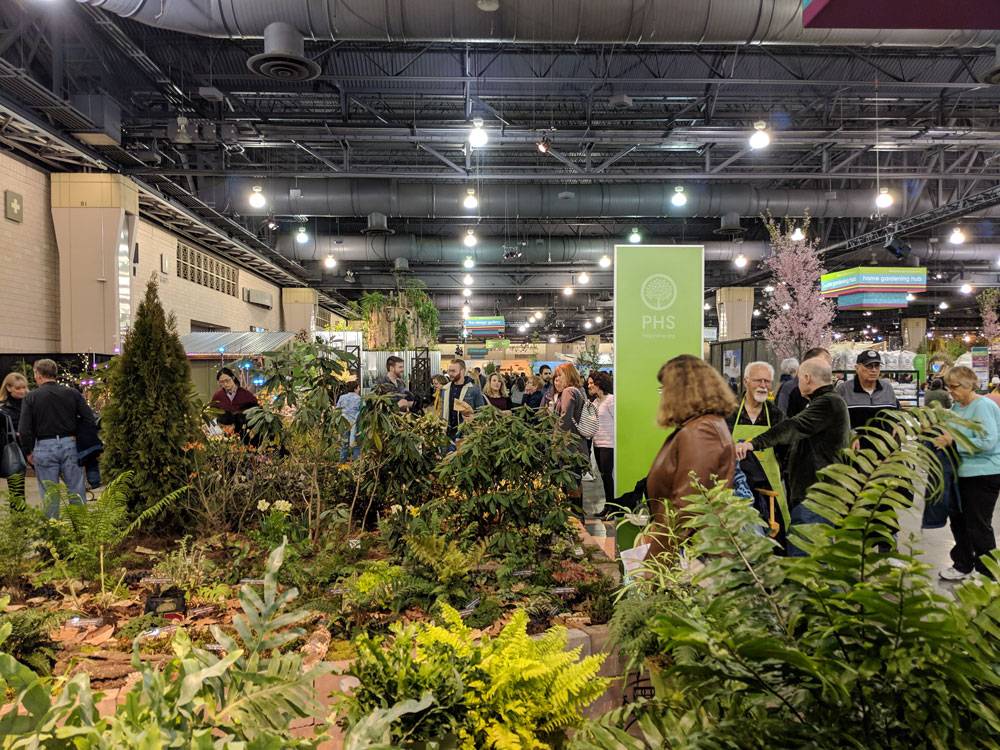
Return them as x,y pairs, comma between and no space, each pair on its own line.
150,415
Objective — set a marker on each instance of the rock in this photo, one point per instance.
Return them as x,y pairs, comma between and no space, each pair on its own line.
315,648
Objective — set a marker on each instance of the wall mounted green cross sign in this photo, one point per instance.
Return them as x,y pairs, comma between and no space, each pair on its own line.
13,206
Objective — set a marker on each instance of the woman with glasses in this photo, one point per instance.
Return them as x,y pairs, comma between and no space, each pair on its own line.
978,476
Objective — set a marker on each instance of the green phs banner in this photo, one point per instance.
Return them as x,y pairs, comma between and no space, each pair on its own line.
659,293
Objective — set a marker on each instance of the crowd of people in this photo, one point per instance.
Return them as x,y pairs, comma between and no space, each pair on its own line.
770,444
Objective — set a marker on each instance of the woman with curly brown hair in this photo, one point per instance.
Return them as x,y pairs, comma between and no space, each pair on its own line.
694,401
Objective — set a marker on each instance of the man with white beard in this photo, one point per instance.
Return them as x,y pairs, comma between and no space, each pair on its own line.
756,415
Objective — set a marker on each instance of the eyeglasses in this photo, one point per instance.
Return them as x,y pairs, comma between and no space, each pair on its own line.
954,386
762,381
873,366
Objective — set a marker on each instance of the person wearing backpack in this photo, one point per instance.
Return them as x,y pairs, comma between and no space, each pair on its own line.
577,416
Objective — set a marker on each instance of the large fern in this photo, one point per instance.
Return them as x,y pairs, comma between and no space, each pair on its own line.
851,646
512,691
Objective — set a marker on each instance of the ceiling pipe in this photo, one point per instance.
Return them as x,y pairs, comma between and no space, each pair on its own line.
488,251
338,197
522,21
559,251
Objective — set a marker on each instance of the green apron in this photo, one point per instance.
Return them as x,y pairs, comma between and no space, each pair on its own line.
768,461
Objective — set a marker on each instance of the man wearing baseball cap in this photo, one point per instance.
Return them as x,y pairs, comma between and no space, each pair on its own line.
867,394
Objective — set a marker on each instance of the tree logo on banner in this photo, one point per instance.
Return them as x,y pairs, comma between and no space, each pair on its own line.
658,291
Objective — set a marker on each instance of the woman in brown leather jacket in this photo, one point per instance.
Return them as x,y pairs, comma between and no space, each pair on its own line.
695,400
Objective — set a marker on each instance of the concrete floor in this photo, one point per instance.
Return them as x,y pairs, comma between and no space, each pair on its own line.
931,545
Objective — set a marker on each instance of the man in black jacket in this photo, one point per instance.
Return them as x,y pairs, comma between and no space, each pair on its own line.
790,398
817,435
50,420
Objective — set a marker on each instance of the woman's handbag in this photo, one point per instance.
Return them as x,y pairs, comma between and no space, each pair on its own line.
11,456
586,425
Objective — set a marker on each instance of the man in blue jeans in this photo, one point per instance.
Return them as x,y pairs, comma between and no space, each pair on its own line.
50,417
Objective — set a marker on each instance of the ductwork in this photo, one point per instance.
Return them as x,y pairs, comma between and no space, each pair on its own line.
489,251
526,21
559,250
402,199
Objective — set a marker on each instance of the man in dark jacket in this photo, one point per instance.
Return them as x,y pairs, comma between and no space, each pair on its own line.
50,421
866,393
817,435
790,398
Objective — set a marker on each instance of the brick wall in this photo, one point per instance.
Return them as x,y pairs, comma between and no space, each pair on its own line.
190,301
29,265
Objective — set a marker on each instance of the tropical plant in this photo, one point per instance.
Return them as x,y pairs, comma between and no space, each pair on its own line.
443,562
504,692
304,383
399,453
151,412
850,646
510,474
247,697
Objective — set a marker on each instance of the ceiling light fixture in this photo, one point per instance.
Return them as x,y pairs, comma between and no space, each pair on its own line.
786,306
470,240
587,325
477,136
798,235
884,198
567,291
272,225
329,262
957,236
635,238
605,261
769,289
302,236
470,201
583,278
706,307
257,199
552,339
522,328
760,138
543,145
468,262
911,297
943,306
965,288
756,313
466,310
598,319
740,261
679,198
466,292
467,279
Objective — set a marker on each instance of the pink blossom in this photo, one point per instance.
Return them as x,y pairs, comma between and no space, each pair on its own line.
796,267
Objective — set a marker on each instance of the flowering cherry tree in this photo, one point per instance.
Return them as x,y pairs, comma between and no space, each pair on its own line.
799,318
988,300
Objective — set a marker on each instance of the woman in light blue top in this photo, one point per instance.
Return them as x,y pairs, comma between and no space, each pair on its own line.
978,476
